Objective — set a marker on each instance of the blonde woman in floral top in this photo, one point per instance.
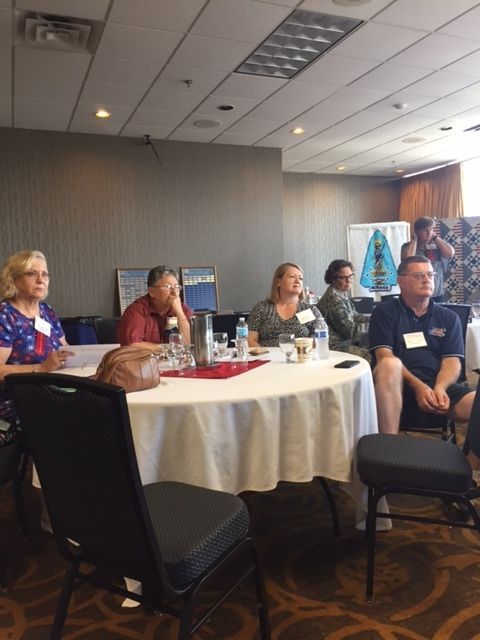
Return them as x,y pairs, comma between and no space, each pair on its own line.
339,312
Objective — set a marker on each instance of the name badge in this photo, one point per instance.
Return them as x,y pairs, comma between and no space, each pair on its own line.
305,316
42,326
414,340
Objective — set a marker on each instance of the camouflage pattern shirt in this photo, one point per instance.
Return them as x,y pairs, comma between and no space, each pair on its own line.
342,318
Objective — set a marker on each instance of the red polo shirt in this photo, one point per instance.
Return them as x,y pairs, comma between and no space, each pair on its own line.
141,322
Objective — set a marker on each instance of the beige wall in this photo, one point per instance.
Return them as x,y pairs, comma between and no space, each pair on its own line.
317,210
95,203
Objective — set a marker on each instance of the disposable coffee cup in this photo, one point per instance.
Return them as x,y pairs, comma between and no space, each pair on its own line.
304,348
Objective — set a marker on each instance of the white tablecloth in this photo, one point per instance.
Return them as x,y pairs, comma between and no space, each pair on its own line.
472,348
280,421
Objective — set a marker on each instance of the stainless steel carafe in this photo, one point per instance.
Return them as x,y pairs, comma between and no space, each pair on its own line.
202,339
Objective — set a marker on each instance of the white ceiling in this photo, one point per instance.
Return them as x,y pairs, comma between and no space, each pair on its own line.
422,54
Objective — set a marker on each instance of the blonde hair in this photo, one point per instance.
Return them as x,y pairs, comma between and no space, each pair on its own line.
279,273
15,267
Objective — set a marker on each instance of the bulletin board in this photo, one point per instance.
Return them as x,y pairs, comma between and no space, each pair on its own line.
132,284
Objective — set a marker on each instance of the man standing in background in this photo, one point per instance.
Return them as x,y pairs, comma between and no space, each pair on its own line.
438,251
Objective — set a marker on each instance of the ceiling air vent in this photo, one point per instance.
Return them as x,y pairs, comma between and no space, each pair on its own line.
57,32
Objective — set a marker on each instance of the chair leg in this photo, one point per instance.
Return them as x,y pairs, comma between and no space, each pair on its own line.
186,618
261,594
18,496
3,576
332,505
371,527
63,601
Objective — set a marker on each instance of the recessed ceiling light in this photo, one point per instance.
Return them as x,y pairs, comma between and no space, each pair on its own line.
446,128
206,123
226,107
298,131
341,167
414,140
101,113
400,105
399,170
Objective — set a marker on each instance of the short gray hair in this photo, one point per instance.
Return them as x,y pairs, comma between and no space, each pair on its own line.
157,273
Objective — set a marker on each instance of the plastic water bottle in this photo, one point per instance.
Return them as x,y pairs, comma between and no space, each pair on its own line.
170,327
321,339
241,334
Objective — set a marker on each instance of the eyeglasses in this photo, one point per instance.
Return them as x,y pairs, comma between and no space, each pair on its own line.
44,275
345,278
419,275
167,287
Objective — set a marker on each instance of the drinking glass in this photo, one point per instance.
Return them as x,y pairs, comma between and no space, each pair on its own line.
476,309
186,363
286,342
220,342
176,349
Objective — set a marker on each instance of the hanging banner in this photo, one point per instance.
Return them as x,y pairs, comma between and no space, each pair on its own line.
374,250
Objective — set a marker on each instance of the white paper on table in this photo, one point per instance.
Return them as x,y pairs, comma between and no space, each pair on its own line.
87,355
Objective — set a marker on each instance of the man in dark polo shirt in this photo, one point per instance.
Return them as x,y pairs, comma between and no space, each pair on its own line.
417,347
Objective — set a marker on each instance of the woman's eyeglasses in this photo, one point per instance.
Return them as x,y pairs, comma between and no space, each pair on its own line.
345,278
44,275
167,287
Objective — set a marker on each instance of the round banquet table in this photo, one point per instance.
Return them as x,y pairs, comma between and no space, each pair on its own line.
472,347
276,422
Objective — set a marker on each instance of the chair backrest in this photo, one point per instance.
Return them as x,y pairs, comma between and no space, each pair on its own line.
363,304
79,330
463,312
106,329
78,432
227,323
389,296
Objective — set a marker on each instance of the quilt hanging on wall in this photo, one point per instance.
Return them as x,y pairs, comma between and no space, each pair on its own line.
462,281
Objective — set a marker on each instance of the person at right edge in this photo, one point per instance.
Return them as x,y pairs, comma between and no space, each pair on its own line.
426,243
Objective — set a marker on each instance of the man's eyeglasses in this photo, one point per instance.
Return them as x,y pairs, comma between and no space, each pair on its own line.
168,287
44,275
419,275
345,278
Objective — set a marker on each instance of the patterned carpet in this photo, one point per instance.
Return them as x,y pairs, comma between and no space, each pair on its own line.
427,584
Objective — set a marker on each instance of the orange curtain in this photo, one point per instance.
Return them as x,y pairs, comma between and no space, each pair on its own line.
437,194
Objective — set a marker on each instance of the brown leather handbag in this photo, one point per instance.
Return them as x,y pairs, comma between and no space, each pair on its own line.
133,368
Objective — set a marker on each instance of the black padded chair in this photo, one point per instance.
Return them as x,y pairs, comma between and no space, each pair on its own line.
389,296
172,537
106,330
432,468
363,304
420,421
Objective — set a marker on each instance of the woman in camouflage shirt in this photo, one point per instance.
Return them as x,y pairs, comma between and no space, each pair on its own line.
344,322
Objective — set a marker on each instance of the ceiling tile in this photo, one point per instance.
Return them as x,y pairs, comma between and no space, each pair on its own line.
363,11
435,51
5,53
210,53
44,123
118,71
258,128
280,112
241,85
428,15
343,104
156,118
6,108
109,95
239,20
49,109
139,131
377,42
91,9
182,102
469,65
391,76
203,81
5,3
336,70
441,83
409,101
148,45
85,111
236,138
209,108
99,128
467,26
171,15
194,135
304,93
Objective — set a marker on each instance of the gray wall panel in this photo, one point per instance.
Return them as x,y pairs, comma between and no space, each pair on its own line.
317,210
94,203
